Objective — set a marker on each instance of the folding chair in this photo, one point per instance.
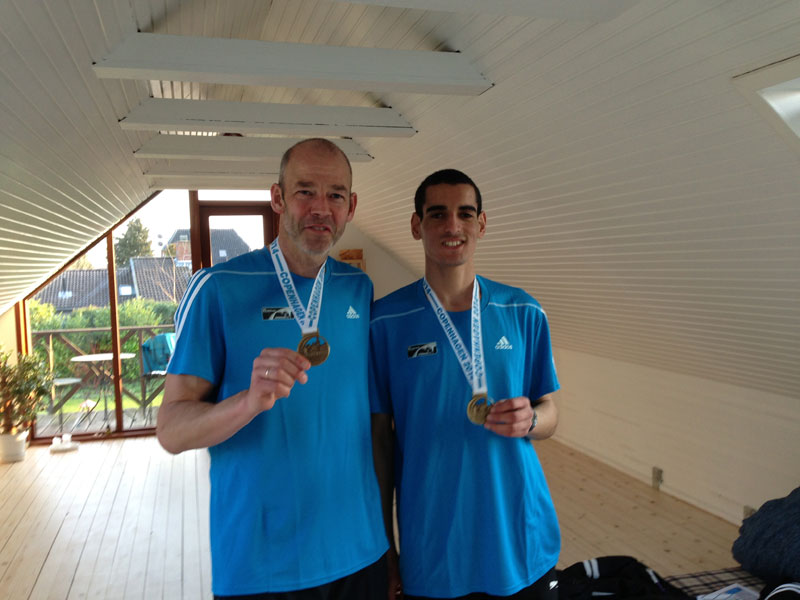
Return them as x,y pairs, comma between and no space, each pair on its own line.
156,353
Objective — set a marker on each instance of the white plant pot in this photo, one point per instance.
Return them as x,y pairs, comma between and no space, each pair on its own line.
12,446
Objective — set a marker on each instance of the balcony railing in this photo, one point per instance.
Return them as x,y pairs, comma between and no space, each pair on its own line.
81,399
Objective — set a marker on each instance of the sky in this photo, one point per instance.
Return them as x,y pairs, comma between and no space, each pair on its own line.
170,211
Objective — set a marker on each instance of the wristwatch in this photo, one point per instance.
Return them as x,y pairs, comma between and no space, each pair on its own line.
534,421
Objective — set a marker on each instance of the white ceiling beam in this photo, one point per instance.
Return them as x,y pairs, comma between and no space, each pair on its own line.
211,182
232,148
571,10
152,56
215,168
159,114
203,174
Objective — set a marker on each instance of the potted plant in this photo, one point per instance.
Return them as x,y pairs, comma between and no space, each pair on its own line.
23,386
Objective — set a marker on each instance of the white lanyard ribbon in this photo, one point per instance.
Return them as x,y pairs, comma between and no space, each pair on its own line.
306,319
473,365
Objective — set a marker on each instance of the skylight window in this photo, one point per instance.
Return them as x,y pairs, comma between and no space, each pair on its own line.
784,99
774,90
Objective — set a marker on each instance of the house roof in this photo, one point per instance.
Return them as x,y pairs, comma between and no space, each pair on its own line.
76,288
227,240
146,277
631,185
159,278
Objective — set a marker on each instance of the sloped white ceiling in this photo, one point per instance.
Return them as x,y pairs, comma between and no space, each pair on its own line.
628,185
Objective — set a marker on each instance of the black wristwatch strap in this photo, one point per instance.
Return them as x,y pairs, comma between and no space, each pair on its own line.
534,421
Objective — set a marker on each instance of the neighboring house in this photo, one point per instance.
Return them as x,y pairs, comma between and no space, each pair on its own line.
159,278
146,277
225,245
77,288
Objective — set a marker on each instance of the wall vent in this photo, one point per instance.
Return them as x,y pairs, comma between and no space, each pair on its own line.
658,477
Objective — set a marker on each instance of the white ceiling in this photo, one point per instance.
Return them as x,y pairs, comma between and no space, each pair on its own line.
629,185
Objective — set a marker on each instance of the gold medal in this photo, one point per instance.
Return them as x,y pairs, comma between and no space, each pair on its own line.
314,347
478,409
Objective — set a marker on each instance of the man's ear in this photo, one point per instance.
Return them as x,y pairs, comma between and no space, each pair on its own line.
415,224
482,224
352,209
276,198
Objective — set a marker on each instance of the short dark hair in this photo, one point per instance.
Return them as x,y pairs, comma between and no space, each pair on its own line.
447,177
318,142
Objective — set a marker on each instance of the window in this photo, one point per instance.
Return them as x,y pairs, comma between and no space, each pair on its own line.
774,91
73,322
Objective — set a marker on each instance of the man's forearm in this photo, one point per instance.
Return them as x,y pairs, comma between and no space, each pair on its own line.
383,456
187,421
546,418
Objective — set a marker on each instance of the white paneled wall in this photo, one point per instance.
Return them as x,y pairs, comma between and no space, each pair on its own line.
385,270
721,446
8,335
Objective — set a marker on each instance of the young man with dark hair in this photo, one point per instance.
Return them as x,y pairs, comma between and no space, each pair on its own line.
463,367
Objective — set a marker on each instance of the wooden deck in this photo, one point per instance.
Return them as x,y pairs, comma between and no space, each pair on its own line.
96,421
123,519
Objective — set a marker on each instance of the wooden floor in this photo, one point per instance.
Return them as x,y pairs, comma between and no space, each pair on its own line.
123,519
604,512
114,519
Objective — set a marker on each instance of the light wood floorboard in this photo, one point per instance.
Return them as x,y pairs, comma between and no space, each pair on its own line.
605,512
125,520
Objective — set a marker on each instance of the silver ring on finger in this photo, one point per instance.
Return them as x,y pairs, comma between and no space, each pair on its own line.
266,374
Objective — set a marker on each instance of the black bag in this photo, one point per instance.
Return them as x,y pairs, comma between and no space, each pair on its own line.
614,578
784,591
768,545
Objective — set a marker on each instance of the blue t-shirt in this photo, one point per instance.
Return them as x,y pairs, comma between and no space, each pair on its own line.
474,510
294,498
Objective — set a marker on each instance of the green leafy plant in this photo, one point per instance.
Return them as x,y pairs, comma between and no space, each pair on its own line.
23,387
134,242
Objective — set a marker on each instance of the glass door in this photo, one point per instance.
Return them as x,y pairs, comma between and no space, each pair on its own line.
229,229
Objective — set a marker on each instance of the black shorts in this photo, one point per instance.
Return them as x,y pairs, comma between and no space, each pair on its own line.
367,584
544,588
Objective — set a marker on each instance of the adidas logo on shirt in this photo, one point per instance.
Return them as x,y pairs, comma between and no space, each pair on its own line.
352,314
503,344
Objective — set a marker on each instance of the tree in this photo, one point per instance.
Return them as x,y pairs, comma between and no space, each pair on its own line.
169,250
135,242
80,263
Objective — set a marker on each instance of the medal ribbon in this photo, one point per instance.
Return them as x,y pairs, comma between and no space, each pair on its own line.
472,365
306,319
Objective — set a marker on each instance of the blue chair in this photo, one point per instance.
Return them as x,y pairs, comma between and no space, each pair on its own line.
156,353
